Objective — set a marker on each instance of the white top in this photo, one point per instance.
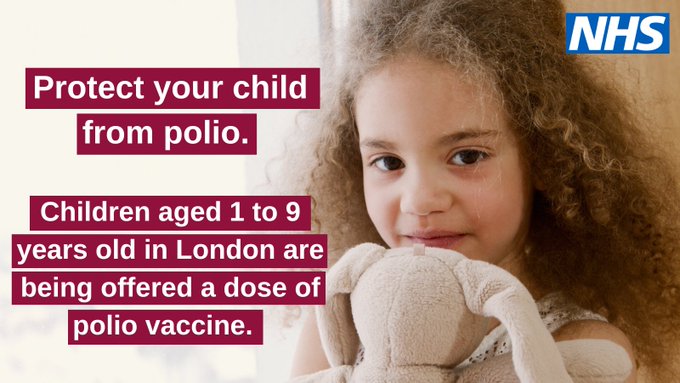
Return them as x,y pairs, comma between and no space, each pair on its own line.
555,310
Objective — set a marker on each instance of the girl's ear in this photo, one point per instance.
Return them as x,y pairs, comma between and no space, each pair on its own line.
336,326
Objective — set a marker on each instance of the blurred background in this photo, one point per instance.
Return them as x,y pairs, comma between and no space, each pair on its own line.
38,158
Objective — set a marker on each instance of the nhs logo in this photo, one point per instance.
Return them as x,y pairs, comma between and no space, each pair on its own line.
629,33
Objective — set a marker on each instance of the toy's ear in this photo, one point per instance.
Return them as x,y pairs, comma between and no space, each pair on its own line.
492,291
336,327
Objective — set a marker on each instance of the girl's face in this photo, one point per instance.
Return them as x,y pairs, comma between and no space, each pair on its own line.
441,166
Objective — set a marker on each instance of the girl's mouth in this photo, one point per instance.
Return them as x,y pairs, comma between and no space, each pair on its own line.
445,240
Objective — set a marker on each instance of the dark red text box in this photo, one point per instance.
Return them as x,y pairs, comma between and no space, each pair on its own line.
126,134
173,288
190,326
181,251
235,213
134,88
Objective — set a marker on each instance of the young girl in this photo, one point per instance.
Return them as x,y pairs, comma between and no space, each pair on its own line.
464,125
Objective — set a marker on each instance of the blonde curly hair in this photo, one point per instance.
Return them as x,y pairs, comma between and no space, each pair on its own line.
604,226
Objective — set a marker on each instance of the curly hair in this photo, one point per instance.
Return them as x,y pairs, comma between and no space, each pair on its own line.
604,228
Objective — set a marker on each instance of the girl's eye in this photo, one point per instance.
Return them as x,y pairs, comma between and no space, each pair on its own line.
388,164
468,157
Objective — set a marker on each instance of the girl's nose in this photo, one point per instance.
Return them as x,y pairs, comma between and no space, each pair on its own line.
424,193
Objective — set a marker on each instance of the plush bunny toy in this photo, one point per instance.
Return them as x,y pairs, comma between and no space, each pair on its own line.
419,312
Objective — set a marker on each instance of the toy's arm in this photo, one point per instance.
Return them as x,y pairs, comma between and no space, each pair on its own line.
493,292
586,361
339,337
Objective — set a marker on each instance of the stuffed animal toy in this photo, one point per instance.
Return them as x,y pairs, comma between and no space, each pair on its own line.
419,312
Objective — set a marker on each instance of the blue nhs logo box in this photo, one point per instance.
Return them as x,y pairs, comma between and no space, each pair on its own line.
628,33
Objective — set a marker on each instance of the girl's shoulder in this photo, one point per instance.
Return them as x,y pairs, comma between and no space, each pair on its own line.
567,321
557,313
591,329
556,310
